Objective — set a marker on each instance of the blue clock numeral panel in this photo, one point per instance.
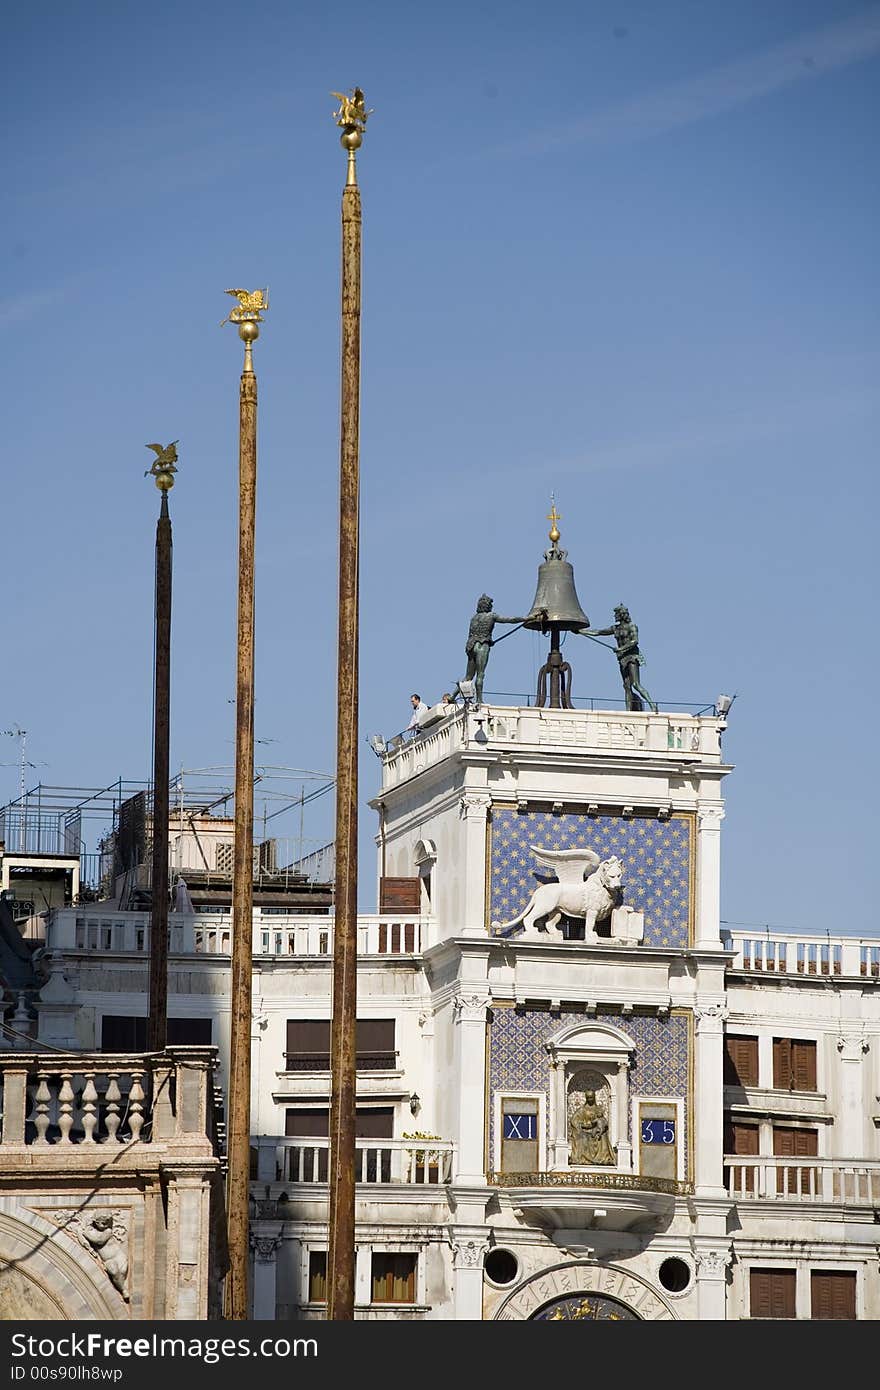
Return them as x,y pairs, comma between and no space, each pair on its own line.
658,1131
519,1126
658,1139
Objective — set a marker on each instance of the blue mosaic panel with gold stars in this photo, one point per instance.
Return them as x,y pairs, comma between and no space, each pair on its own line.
656,857
518,1057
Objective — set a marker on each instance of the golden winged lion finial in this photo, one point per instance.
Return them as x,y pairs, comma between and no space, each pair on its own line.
250,304
352,112
163,466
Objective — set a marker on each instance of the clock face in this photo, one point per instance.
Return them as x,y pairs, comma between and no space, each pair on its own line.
585,1308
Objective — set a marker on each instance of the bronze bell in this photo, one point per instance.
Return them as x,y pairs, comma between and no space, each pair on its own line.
557,595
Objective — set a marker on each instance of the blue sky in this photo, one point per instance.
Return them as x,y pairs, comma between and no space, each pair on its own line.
626,252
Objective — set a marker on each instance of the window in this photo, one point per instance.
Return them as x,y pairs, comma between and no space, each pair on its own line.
740,1139
772,1293
832,1294
393,1278
740,1061
317,1276
519,1135
794,1064
791,1142
308,1044
308,1163
123,1033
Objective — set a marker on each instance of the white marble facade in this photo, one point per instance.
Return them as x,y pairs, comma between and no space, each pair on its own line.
494,1034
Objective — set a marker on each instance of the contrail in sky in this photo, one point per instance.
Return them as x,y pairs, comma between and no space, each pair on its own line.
723,88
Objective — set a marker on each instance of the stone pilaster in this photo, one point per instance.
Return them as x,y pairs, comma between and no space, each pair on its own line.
712,1264
849,1137
474,807
265,1248
469,1245
708,1118
708,924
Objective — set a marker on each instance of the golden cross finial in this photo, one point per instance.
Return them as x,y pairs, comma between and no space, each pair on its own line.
553,516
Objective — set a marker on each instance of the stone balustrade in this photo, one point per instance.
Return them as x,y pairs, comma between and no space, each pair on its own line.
795,953
376,1161
100,1103
97,931
644,735
757,1178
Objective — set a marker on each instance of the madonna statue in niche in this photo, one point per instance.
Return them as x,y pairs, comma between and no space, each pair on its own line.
588,1133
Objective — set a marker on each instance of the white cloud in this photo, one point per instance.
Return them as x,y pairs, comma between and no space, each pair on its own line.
734,84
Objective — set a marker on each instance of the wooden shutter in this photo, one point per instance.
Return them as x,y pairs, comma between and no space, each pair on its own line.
740,1060
832,1294
772,1293
307,1124
398,893
375,1044
308,1044
782,1063
794,1064
803,1065
307,1164
740,1138
791,1142
374,1123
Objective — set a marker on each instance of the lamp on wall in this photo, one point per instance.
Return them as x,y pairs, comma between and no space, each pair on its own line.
722,705
415,1104
377,743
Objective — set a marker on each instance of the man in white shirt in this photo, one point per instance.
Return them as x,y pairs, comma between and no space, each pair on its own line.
419,708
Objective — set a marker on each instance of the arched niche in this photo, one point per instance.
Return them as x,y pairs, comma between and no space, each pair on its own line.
424,858
596,1056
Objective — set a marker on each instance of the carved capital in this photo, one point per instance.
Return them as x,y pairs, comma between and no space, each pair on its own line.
474,805
470,1008
713,1264
265,1248
710,1018
852,1046
710,817
468,1251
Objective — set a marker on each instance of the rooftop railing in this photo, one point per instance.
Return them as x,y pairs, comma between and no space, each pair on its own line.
798,953
98,932
687,737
